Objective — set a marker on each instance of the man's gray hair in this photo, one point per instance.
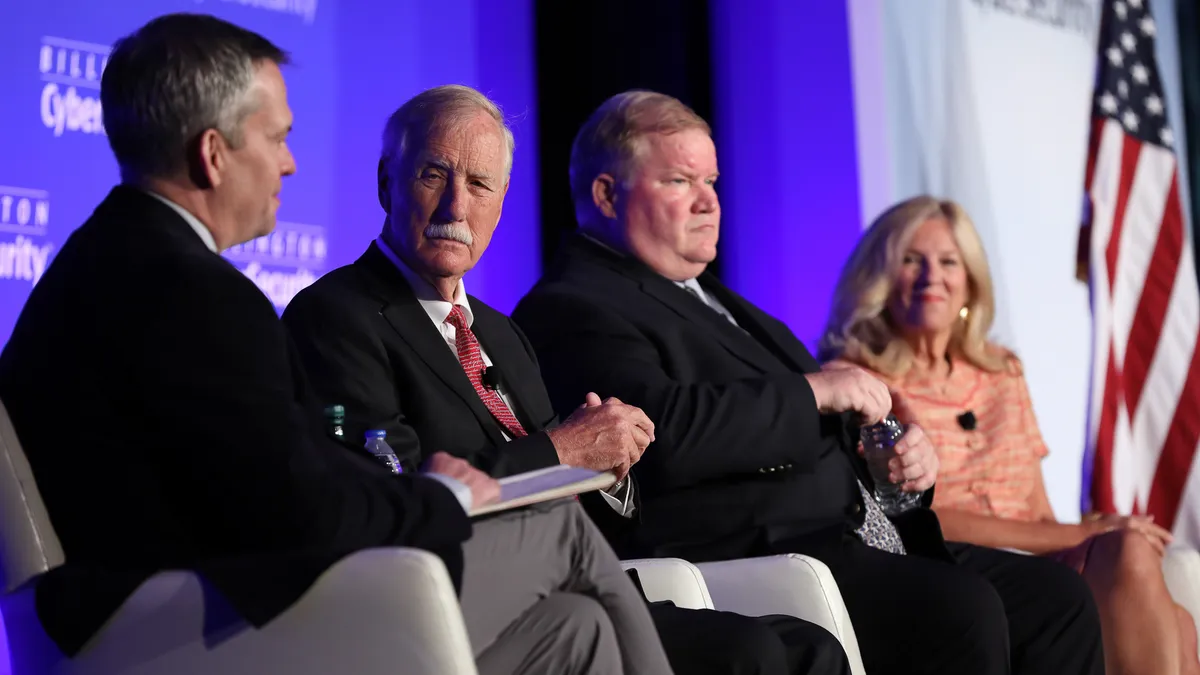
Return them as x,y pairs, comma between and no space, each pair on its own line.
175,78
609,140
444,105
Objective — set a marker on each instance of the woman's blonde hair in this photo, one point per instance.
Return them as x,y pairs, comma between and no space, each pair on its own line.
860,327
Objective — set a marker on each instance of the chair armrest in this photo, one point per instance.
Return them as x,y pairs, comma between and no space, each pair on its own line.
1181,569
671,579
376,611
794,585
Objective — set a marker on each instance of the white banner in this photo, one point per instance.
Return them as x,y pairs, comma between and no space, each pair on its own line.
988,102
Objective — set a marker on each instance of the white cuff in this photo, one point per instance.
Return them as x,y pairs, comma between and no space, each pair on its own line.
621,498
460,490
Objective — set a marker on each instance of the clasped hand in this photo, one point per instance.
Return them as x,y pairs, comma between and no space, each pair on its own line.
603,435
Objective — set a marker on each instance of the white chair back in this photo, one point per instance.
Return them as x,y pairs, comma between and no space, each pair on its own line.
28,545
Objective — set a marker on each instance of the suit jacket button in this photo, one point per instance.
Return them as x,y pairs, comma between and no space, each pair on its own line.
762,470
856,509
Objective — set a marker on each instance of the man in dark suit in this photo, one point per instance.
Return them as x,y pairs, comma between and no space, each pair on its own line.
754,443
203,449
396,340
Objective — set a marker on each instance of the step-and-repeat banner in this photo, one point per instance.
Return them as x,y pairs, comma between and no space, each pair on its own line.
55,164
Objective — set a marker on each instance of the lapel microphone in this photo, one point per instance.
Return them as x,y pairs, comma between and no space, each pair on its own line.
491,378
967,421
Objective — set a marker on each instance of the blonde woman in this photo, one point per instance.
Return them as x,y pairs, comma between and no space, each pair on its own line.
913,306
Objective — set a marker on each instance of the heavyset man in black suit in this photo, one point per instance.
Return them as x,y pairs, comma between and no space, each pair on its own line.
166,418
390,338
754,443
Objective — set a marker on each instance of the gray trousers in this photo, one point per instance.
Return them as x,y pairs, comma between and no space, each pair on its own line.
544,593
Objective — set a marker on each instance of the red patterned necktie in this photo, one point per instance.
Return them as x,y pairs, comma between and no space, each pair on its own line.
471,358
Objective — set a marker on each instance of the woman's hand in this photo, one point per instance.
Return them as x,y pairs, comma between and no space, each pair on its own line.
1100,523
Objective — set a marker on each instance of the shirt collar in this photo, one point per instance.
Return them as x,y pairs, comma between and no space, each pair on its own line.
201,229
432,302
692,284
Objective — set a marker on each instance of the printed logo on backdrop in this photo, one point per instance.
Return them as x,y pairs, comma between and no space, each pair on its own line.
70,72
24,221
284,262
1075,16
305,9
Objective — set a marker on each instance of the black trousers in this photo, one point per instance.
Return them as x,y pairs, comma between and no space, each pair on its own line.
993,613
708,642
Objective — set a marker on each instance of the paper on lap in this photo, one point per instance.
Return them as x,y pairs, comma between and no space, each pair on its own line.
553,482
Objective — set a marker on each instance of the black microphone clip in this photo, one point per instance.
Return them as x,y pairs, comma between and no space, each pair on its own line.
967,421
491,378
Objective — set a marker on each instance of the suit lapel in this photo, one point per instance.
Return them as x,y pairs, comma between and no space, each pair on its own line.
766,330
736,340
406,316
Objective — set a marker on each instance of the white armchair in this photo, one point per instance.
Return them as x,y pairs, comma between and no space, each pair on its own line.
795,585
671,579
377,611
1181,569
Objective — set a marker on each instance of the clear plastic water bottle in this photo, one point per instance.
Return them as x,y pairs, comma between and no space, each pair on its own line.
378,447
878,441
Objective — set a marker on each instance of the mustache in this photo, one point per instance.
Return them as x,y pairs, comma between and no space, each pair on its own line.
455,231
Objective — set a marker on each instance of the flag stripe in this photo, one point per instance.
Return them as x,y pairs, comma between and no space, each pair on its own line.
1175,460
1129,157
1103,499
1159,281
1144,404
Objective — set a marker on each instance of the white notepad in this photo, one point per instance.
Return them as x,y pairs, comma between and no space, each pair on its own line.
554,482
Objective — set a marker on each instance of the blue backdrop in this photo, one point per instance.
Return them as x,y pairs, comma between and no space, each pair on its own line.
355,61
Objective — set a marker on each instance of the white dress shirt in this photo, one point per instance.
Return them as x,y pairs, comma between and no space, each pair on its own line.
438,309
200,228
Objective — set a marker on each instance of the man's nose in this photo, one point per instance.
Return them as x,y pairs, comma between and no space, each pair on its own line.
707,202
453,205
289,162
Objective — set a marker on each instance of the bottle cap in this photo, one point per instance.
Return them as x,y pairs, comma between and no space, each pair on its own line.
335,411
376,433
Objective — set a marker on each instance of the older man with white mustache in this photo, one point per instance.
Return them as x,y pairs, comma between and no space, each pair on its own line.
397,341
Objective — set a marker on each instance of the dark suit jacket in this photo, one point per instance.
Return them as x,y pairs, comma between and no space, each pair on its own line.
369,345
167,423
742,463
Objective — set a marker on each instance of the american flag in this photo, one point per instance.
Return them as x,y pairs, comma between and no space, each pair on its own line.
1144,417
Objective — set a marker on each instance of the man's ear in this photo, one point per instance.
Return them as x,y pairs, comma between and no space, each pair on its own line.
385,198
208,162
604,195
